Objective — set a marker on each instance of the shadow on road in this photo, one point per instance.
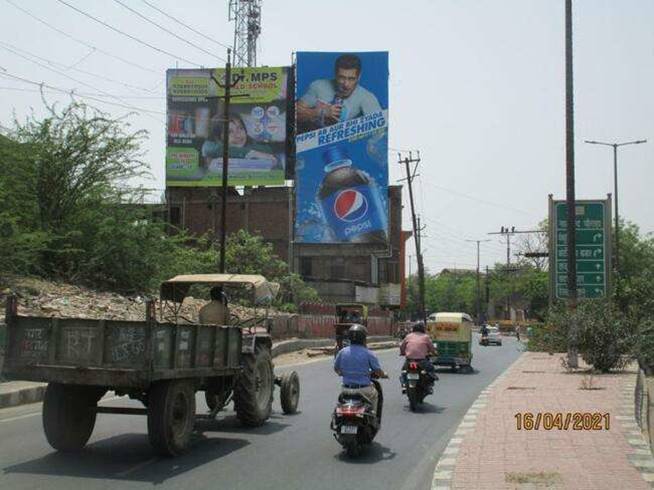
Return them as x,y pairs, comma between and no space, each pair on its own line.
128,457
371,454
232,425
426,407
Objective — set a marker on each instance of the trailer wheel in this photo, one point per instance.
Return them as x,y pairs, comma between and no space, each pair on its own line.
171,415
69,415
253,393
290,392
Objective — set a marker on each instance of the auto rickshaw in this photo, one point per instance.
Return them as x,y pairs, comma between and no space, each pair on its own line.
347,314
452,334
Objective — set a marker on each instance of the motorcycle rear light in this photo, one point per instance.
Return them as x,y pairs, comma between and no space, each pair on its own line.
350,411
413,365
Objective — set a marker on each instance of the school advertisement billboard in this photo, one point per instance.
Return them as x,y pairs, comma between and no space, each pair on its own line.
341,164
258,113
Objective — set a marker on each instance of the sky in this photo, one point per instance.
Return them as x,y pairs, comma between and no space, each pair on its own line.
477,86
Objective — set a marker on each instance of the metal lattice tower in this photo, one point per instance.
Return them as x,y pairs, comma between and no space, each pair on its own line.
246,15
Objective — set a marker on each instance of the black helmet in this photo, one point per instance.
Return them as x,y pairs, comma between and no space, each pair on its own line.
357,334
419,327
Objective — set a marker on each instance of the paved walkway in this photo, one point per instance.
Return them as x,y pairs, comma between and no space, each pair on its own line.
493,454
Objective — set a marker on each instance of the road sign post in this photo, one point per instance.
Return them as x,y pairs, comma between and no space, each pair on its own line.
593,248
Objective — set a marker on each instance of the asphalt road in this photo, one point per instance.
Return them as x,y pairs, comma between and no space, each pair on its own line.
289,452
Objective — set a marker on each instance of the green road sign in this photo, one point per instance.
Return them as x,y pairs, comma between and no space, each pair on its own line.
593,234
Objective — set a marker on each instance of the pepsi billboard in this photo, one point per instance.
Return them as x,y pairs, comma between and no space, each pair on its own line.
342,148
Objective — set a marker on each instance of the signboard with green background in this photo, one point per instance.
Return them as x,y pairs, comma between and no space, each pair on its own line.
257,144
593,248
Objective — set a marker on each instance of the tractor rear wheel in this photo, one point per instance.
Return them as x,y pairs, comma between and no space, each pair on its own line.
253,393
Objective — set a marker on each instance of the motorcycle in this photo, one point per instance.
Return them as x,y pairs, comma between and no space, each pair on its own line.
418,383
353,422
484,339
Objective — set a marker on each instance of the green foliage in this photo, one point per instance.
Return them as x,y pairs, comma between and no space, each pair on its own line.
250,254
69,212
644,346
636,281
604,335
547,337
451,292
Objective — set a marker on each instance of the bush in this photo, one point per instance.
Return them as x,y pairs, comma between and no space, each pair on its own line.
604,336
546,337
644,347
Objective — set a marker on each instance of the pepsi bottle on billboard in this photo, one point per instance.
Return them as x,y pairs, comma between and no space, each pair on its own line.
350,201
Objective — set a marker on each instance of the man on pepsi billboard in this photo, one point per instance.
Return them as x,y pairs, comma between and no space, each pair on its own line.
328,102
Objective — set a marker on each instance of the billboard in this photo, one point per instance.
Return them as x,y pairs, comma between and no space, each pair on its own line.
341,166
258,114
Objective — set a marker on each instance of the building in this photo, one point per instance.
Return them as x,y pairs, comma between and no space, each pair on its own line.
340,273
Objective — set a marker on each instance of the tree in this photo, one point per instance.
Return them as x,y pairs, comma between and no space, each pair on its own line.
533,243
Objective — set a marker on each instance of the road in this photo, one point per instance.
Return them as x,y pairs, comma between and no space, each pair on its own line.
290,452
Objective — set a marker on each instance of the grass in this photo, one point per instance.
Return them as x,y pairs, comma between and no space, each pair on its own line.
545,478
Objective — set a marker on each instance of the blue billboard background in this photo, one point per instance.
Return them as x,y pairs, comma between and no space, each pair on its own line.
342,165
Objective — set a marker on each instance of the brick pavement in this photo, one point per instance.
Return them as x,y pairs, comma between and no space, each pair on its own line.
493,454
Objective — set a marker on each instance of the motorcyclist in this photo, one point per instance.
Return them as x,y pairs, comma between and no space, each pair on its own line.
417,346
484,330
356,363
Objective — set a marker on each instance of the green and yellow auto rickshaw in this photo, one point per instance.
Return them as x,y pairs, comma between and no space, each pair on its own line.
452,334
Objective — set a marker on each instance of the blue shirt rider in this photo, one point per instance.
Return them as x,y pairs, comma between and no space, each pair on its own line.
356,363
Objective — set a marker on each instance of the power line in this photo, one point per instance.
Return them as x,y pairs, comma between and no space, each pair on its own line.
175,19
84,43
86,94
73,93
167,30
133,38
102,77
63,74
482,201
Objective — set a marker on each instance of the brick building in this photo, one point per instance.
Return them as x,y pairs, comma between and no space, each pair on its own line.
340,273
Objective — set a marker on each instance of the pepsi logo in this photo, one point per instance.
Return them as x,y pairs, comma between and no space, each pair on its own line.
350,205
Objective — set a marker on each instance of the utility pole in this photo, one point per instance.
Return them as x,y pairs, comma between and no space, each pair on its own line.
487,290
615,193
227,86
410,175
573,360
478,280
508,233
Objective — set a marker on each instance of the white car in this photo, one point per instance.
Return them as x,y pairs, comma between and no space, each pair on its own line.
494,336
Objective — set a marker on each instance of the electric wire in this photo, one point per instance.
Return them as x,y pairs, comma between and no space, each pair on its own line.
65,75
87,94
84,43
133,38
175,19
62,65
75,94
145,18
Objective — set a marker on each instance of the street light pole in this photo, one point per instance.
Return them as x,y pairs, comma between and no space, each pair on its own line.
615,193
478,280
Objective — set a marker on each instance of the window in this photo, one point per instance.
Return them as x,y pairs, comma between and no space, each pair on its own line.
338,268
175,215
306,266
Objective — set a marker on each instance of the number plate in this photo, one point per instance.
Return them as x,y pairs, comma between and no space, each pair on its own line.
349,429
413,376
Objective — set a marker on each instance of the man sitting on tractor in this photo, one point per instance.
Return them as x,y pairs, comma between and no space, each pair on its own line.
216,311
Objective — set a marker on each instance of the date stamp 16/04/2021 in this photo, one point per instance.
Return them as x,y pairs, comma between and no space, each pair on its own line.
563,421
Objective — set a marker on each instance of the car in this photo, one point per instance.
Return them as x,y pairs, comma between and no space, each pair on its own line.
494,336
